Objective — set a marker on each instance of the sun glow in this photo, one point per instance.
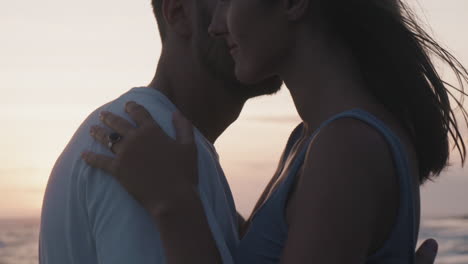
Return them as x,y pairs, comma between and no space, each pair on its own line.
61,60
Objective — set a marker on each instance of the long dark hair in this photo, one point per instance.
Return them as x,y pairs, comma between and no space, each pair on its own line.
397,58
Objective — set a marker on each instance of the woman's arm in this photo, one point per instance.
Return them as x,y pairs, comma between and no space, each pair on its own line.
185,232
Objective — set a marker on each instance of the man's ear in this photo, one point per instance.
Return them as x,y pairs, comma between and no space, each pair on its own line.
296,9
176,14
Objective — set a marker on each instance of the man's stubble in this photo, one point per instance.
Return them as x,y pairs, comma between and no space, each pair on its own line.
213,54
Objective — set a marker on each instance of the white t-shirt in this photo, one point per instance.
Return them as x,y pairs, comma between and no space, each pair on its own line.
88,217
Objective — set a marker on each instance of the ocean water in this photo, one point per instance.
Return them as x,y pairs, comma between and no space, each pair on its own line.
452,235
18,240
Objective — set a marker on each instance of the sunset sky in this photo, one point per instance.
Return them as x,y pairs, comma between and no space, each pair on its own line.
59,60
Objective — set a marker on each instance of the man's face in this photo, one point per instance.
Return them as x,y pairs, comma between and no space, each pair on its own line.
213,53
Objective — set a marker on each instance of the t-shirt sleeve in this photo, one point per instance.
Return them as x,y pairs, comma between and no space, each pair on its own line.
122,229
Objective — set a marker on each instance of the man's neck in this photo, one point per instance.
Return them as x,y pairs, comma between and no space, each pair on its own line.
205,101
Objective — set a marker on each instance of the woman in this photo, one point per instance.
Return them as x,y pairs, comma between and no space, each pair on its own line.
376,124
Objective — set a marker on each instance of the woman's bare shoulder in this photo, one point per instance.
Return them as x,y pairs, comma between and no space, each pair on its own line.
349,172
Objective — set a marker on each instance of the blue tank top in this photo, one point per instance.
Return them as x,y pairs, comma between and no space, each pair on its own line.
266,236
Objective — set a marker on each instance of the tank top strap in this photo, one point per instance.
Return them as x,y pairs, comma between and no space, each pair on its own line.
295,135
267,235
406,204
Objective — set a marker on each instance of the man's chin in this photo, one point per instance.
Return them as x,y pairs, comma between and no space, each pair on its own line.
268,86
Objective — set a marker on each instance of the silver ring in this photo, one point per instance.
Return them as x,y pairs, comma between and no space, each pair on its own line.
113,138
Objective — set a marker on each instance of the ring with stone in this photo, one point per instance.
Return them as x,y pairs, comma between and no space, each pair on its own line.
113,138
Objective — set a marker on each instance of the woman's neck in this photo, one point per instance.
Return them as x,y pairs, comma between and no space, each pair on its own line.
323,78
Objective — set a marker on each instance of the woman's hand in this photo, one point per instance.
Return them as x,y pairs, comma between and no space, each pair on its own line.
161,173
155,169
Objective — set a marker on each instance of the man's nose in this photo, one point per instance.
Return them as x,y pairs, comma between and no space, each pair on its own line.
214,31
218,26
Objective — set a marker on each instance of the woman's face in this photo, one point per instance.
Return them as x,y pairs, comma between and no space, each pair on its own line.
257,34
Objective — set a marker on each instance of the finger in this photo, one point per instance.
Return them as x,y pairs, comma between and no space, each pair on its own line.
102,136
116,122
99,161
427,252
183,127
138,113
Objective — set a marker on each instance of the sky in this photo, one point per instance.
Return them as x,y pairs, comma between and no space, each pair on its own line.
59,60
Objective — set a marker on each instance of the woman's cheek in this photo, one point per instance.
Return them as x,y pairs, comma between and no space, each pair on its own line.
241,15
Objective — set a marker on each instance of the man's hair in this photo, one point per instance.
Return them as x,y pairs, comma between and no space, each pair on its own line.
158,13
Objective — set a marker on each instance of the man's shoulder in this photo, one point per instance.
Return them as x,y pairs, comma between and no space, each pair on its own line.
160,112
70,161
155,102
71,177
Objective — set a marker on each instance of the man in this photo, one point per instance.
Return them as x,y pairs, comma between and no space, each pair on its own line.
89,218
